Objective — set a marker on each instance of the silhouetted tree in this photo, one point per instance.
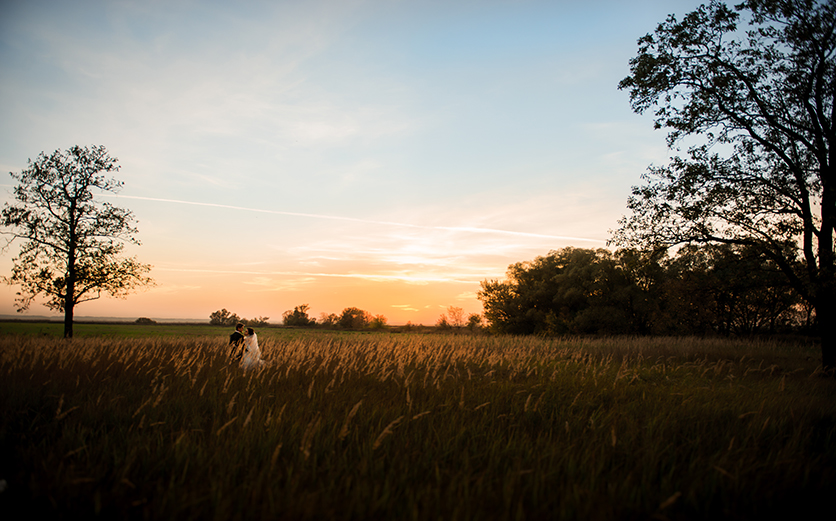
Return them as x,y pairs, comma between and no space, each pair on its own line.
72,249
474,321
298,317
378,322
256,322
456,316
767,96
703,289
570,290
222,317
329,320
354,318
726,289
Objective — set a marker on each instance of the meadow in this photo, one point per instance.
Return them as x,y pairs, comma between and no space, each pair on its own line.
409,426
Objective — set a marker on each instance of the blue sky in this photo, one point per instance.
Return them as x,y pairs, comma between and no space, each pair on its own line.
387,155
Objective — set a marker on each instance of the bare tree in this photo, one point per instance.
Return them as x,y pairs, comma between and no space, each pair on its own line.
456,316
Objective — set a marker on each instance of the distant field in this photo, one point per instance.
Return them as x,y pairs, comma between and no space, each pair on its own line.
56,329
402,426
127,330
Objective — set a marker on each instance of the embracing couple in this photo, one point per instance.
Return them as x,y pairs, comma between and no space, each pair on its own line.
244,348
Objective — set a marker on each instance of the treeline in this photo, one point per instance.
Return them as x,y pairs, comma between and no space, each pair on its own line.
222,317
707,289
452,320
350,318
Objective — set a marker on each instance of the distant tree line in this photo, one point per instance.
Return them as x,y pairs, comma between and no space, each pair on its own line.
453,319
350,318
222,317
353,318
707,289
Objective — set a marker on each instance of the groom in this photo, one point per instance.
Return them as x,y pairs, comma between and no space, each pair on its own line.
236,342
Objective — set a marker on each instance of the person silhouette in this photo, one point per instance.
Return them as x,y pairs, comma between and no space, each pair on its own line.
236,343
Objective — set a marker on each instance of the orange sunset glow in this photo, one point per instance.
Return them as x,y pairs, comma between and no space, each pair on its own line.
385,156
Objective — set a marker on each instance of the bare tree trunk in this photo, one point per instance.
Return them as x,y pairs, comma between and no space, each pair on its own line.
68,320
826,318
69,301
825,307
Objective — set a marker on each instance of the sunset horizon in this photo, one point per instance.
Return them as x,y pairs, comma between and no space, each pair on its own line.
385,156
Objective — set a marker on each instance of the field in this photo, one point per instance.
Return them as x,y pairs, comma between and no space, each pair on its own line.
130,330
405,426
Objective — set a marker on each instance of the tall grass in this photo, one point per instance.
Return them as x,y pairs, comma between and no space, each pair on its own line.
415,427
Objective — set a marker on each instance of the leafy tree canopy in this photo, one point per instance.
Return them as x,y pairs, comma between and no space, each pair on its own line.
354,318
222,317
756,85
298,317
72,242
706,289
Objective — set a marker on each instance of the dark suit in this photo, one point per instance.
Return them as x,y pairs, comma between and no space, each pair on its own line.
236,342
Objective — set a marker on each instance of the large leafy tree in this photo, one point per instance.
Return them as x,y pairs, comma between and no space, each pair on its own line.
726,289
354,318
706,288
72,243
571,290
751,90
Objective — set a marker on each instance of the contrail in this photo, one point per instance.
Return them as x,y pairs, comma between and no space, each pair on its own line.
354,219
308,274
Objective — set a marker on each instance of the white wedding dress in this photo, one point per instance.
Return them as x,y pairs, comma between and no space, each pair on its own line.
252,354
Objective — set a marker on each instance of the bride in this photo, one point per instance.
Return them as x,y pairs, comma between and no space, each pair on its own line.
252,354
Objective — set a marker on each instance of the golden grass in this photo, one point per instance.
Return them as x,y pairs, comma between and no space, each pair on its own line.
416,426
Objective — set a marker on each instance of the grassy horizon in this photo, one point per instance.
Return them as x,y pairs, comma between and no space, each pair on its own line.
416,426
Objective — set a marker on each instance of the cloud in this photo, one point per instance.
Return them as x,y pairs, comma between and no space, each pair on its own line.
171,289
270,284
376,277
405,307
462,229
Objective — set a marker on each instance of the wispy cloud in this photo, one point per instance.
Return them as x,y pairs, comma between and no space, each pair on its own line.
414,278
462,229
173,289
264,283
405,307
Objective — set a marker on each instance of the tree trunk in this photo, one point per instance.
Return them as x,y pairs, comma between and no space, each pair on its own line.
68,306
68,321
69,296
826,318
825,307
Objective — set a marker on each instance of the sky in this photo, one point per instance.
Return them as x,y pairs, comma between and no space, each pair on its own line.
383,154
